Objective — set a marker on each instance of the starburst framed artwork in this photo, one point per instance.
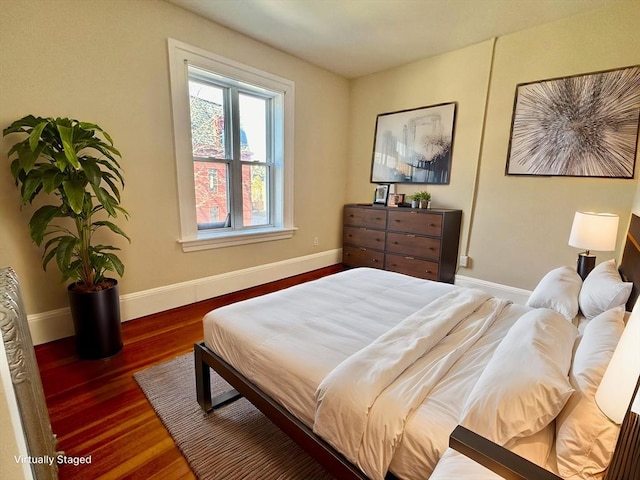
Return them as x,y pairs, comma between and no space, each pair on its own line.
579,126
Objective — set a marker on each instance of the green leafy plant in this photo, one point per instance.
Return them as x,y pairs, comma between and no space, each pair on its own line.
423,195
74,162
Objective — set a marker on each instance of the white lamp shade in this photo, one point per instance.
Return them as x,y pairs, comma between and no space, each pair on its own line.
619,381
594,231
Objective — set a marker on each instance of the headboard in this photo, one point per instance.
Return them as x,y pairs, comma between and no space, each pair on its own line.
630,264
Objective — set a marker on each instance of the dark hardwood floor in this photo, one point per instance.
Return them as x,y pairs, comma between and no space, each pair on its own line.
97,408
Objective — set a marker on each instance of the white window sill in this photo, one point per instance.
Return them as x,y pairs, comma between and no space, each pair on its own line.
207,241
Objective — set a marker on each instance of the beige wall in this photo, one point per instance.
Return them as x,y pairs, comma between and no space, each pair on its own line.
518,227
636,203
523,223
106,62
109,65
461,76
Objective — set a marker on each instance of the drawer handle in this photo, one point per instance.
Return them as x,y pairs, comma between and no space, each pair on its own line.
363,249
375,260
411,235
432,224
410,258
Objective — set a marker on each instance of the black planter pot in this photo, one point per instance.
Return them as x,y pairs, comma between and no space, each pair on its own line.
96,319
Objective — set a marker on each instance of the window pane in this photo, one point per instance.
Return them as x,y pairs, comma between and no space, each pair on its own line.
207,120
212,204
255,200
253,128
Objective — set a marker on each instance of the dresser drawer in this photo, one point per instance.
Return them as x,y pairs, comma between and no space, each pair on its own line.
415,222
418,242
364,237
410,244
411,266
365,217
362,257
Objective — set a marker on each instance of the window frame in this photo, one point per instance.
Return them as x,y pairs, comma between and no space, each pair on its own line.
281,216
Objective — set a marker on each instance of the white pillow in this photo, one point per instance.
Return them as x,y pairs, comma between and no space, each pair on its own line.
455,465
585,437
603,289
558,290
525,385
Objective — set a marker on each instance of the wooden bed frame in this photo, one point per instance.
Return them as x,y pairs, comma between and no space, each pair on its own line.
332,460
630,265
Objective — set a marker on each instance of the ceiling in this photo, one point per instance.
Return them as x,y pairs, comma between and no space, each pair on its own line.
357,37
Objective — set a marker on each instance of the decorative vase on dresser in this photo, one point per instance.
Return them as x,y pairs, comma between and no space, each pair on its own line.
417,242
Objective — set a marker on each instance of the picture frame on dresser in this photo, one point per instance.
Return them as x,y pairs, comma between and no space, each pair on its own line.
395,199
381,194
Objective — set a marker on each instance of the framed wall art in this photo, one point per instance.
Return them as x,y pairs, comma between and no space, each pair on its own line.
414,146
579,126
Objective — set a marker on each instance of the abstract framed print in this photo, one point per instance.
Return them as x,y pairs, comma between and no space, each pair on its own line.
414,146
579,126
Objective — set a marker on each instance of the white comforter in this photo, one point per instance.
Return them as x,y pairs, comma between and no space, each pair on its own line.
364,403
289,341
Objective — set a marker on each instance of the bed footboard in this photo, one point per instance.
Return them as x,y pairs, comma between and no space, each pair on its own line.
316,447
496,458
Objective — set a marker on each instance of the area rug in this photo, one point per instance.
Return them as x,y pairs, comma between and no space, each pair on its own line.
233,442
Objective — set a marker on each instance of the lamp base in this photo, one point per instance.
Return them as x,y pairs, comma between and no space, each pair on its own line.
586,263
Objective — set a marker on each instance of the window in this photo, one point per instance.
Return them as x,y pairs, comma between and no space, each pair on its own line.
233,135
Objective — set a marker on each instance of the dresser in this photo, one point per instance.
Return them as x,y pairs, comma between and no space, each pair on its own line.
418,242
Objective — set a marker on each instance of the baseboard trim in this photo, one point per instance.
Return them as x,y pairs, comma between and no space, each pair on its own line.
516,295
55,324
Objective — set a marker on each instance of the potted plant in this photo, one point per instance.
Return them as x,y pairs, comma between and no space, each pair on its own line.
421,199
74,163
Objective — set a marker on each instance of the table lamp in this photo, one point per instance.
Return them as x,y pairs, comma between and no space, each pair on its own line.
617,388
592,231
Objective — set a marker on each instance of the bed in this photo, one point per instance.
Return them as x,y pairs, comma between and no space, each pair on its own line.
310,358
